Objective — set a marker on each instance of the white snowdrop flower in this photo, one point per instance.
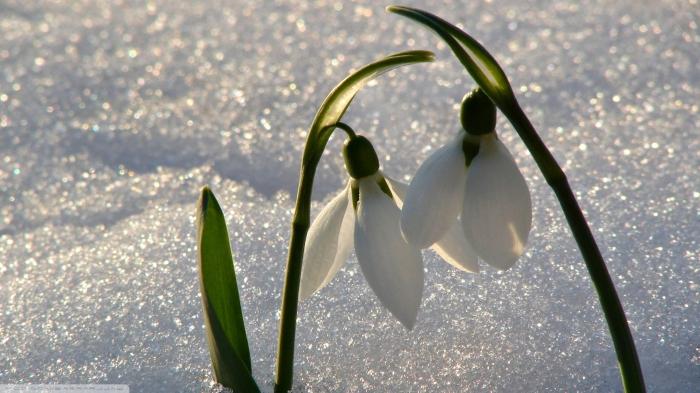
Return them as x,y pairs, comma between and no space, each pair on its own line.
365,214
473,179
452,246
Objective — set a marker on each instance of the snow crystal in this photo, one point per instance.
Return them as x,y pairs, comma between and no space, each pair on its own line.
113,115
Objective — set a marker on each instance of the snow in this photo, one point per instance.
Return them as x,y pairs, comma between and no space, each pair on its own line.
114,114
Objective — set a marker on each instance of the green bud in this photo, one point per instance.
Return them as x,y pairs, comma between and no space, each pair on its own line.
478,114
360,158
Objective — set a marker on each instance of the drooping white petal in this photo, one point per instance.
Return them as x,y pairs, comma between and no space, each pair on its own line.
456,250
398,190
497,212
392,267
453,247
328,244
434,197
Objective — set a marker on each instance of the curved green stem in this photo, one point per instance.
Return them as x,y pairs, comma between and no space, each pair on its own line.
482,66
348,130
325,121
630,369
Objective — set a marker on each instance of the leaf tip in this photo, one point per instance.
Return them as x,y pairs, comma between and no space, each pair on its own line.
207,199
204,197
394,8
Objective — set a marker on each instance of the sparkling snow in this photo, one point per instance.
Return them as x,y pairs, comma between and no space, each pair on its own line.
113,115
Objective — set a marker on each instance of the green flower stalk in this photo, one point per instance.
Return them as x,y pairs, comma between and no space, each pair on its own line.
493,82
328,115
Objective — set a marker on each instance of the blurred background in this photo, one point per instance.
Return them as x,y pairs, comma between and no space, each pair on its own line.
114,114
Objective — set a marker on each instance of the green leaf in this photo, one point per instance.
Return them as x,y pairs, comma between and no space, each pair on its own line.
228,344
480,64
337,102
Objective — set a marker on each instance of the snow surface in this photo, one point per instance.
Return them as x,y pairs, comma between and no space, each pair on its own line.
113,115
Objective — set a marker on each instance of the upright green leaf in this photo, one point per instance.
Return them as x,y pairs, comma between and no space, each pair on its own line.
480,64
228,344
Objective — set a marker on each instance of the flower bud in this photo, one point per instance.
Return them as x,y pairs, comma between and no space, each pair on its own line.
478,114
360,158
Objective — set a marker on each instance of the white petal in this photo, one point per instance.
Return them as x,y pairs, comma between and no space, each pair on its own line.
497,210
392,267
434,197
328,244
453,247
398,190
456,250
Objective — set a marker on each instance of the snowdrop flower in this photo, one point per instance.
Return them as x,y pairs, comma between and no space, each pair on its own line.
476,180
365,214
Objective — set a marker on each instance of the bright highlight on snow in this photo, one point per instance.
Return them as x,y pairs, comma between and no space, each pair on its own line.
113,115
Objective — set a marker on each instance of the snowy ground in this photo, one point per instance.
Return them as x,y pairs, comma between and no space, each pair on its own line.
113,114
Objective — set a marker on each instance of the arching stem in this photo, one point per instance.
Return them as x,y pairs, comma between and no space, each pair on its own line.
628,361
490,77
325,121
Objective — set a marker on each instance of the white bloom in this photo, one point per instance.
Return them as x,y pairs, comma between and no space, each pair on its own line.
393,268
489,196
452,246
